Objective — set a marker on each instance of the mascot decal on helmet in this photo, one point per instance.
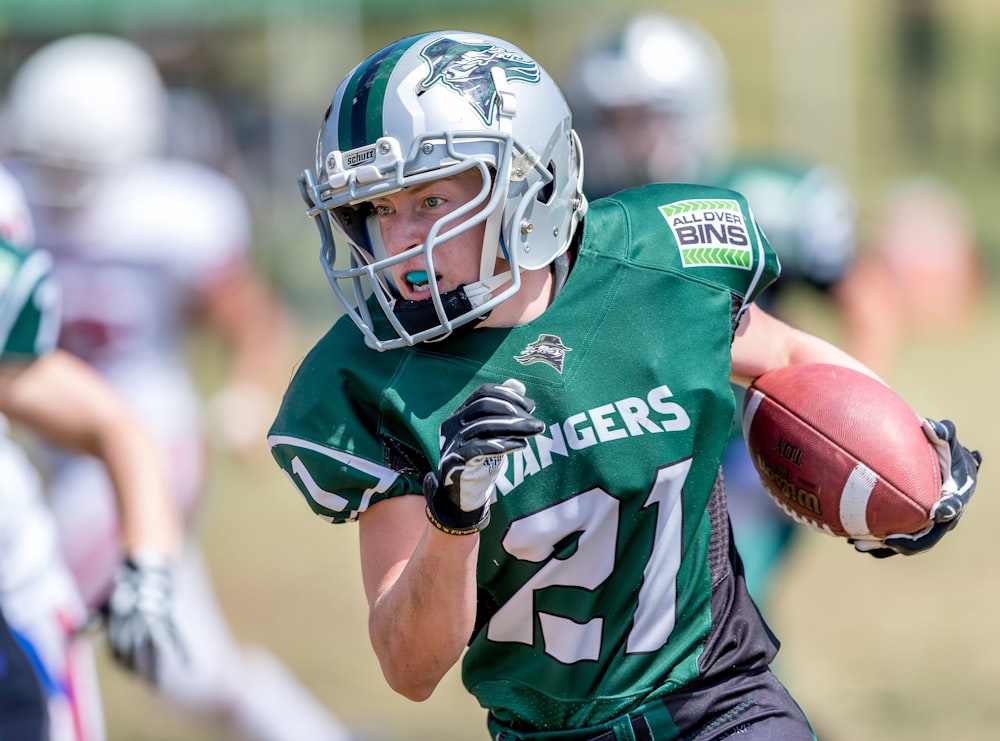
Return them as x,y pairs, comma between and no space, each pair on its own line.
467,69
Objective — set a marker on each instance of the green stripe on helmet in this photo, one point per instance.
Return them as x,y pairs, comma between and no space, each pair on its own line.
360,115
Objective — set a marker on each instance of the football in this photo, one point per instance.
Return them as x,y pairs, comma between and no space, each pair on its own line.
841,452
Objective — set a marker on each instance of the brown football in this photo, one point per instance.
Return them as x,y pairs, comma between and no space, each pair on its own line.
841,452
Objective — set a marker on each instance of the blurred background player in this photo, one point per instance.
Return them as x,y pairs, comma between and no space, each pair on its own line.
809,216
925,251
48,682
23,704
651,102
148,249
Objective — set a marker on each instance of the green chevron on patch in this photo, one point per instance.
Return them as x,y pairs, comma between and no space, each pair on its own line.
710,232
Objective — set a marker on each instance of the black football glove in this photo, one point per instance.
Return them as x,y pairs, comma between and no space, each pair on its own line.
959,468
493,421
140,626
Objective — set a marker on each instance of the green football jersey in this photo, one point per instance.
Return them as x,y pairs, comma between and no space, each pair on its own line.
29,303
605,573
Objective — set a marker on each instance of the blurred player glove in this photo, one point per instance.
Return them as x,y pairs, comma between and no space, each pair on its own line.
139,622
959,468
493,421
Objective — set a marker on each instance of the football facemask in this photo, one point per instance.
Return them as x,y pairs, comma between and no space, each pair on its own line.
430,107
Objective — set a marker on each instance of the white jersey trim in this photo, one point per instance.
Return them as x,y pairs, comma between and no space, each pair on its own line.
385,476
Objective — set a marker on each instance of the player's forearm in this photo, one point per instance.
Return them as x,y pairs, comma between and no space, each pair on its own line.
764,343
147,513
68,403
421,623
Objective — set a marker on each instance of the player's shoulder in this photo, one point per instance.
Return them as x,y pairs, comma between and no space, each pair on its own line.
697,232
15,218
21,269
330,433
691,213
339,370
29,302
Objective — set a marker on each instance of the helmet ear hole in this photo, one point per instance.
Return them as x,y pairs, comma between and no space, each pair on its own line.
548,190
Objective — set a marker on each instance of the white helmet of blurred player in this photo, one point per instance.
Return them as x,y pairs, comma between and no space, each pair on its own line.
650,99
86,104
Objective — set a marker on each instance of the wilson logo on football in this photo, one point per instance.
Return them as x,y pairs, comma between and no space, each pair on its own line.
804,500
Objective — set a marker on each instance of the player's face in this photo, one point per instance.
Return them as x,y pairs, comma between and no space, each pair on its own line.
407,217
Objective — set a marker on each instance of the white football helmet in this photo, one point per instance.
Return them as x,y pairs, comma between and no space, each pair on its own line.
651,102
85,104
427,107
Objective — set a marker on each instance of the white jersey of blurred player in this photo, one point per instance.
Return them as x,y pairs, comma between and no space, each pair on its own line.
138,241
40,600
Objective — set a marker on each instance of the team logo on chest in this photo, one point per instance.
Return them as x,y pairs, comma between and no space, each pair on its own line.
548,349
466,69
710,232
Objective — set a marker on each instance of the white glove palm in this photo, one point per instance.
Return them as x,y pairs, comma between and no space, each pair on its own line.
493,421
140,625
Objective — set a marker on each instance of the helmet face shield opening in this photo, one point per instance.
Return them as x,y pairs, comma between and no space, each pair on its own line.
427,108
365,281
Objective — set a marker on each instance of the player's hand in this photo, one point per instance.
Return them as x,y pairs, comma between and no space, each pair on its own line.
140,626
959,470
493,421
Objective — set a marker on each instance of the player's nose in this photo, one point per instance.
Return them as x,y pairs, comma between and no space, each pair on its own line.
402,232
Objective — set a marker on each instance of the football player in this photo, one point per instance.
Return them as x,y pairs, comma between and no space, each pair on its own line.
51,693
146,248
526,404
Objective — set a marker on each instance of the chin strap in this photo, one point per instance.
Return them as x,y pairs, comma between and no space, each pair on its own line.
417,316
481,291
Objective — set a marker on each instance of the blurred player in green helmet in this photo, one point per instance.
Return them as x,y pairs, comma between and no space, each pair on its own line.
652,98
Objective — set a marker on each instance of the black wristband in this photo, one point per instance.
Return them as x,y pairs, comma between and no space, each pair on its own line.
448,518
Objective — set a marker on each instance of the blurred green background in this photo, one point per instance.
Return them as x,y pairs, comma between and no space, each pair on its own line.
897,649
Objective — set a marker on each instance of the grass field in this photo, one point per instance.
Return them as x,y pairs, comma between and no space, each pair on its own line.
874,650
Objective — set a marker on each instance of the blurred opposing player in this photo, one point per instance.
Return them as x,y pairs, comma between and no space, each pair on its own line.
652,98
650,101
24,709
924,253
48,684
145,248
